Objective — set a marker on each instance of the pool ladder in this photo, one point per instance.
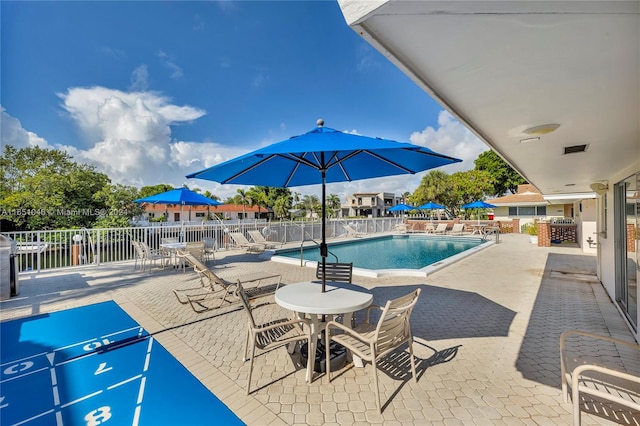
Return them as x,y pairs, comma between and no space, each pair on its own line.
316,243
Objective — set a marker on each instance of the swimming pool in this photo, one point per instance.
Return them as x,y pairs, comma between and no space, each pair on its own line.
415,255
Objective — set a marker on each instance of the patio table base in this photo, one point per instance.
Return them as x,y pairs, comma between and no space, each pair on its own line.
338,354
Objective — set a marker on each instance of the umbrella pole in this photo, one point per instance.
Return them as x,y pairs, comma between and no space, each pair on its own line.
323,245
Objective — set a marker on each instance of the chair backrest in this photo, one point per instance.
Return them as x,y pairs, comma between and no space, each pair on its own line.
335,271
146,249
246,305
239,238
393,326
257,236
429,227
138,248
209,243
441,227
202,270
195,247
457,227
169,240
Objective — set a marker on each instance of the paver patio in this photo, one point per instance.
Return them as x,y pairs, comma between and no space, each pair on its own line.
486,335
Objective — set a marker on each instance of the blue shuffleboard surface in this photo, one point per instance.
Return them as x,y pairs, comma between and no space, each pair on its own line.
95,365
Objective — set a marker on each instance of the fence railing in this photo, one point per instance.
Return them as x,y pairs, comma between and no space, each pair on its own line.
44,250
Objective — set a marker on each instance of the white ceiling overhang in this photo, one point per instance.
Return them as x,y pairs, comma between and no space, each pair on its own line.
502,67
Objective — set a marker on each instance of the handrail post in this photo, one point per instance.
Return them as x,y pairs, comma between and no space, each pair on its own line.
38,251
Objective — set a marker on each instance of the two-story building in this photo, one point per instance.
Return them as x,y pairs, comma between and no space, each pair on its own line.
369,204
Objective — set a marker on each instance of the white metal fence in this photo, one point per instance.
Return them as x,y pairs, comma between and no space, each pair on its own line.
43,250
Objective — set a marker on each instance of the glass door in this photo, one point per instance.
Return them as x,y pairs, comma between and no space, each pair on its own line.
627,225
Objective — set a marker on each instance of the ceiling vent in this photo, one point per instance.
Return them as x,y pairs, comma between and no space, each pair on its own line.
575,149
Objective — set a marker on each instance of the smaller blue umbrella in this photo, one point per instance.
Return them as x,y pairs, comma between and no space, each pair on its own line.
180,196
478,205
401,208
431,206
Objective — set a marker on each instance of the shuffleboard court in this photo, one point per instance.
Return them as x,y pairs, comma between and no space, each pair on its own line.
95,365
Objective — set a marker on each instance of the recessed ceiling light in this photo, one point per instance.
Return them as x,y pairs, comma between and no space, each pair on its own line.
529,140
543,129
569,184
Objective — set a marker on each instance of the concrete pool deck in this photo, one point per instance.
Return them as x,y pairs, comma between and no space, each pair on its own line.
486,337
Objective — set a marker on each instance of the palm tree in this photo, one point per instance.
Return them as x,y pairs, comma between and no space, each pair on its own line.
333,203
257,198
281,207
310,203
243,198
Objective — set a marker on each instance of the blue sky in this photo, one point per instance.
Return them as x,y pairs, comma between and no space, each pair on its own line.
151,91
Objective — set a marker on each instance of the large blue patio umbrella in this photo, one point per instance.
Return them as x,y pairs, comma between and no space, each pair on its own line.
401,208
324,155
431,206
478,205
181,197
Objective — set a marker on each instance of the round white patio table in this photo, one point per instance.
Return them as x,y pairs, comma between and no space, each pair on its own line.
173,248
306,299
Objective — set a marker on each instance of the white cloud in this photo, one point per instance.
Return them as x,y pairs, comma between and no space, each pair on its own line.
12,133
451,138
140,78
169,62
129,136
129,139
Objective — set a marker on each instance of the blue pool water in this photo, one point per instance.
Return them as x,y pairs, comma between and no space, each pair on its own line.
392,252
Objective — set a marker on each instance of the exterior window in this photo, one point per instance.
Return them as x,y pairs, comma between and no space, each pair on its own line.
526,211
513,211
199,214
541,210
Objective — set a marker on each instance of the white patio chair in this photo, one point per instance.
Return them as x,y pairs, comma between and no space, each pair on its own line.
457,229
352,232
209,248
272,334
150,255
371,342
593,384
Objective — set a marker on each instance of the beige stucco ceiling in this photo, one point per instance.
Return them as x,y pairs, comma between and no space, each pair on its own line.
501,67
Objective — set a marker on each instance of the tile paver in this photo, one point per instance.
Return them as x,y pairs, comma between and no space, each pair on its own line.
486,329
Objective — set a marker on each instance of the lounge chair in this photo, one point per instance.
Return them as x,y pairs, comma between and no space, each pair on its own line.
352,232
457,229
440,229
429,228
271,334
241,241
258,238
371,342
214,292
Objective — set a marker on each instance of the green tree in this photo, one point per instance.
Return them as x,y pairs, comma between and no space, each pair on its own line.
281,207
466,187
432,187
310,203
257,197
147,191
120,208
505,177
46,189
333,204
243,199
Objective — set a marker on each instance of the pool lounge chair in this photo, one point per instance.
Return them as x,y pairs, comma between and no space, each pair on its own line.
215,292
458,229
258,238
352,232
241,241
440,229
